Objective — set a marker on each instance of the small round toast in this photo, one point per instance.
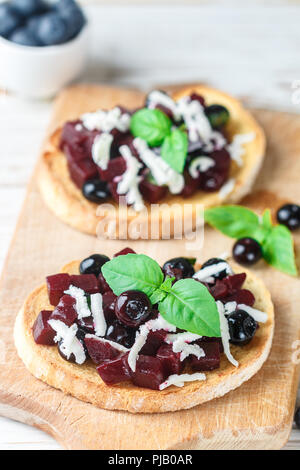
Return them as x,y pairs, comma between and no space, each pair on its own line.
84,383
67,202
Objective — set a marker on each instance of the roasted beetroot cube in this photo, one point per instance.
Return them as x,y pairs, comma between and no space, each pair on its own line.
149,372
42,331
115,167
115,370
242,296
87,324
125,251
208,339
109,301
100,351
74,153
103,286
170,360
191,185
151,192
219,290
86,282
234,282
69,133
154,340
82,171
196,97
211,360
65,310
122,139
56,285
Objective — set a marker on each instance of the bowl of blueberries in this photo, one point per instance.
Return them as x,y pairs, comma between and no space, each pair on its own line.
43,45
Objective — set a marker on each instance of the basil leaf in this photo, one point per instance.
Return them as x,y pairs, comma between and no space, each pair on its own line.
235,222
151,125
133,271
158,296
190,307
174,150
278,250
267,219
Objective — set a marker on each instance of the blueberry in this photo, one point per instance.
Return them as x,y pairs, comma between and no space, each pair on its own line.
73,16
289,215
247,251
28,7
9,20
217,115
95,190
242,327
132,308
184,264
52,30
93,264
24,37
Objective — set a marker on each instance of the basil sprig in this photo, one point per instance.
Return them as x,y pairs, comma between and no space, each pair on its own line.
151,125
276,240
186,304
174,150
155,127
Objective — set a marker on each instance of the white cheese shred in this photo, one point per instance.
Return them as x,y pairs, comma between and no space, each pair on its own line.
225,334
258,315
98,315
179,380
235,148
208,271
70,344
106,121
81,305
129,181
140,340
101,149
181,344
200,164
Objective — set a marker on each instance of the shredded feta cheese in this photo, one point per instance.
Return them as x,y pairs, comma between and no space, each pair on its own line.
157,97
106,121
235,148
140,340
195,119
225,333
258,315
180,344
208,271
70,344
101,149
98,315
227,188
162,173
129,181
81,305
200,164
230,307
115,345
160,323
179,380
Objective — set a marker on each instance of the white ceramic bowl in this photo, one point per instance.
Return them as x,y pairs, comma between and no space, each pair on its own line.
40,72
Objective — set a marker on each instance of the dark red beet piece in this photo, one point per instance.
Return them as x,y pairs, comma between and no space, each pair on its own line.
190,185
149,372
154,340
100,351
65,310
87,282
86,324
116,167
196,97
212,357
109,301
243,296
170,360
125,251
235,282
115,370
219,290
151,192
56,286
82,171
103,286
42,331
215,177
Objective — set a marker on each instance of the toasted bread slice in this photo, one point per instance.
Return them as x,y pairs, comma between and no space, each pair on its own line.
83,382
67,202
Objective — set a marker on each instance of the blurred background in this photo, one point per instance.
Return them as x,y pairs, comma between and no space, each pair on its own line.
249,49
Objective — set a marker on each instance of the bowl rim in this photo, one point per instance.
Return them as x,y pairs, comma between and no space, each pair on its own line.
44,49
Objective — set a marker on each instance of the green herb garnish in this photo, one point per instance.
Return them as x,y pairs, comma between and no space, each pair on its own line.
187,304
151,125
174,150
276,240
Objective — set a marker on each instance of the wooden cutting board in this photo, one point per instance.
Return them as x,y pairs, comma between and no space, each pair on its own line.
258,415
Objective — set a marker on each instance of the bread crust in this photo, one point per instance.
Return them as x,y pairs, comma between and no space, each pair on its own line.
84,383
67,202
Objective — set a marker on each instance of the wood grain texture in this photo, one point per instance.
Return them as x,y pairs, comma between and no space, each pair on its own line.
257,415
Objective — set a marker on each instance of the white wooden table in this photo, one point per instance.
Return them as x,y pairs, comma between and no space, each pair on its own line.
248,49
